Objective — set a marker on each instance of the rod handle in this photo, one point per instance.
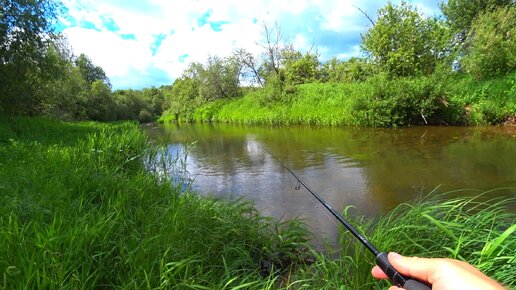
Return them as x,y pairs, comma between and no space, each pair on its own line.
396,277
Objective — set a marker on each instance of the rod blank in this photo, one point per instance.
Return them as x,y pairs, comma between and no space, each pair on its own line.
381,258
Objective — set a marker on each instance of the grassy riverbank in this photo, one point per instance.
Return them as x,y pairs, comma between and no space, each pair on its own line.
474,229
79,210
378,102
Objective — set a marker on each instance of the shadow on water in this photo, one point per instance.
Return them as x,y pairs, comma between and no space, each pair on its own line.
371,169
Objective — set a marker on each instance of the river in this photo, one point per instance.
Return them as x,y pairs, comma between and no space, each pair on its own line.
371,169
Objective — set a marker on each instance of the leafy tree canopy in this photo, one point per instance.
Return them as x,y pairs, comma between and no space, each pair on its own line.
460,14
493,47
25,34
404,43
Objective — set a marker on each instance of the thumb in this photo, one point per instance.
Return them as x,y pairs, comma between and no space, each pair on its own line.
421,268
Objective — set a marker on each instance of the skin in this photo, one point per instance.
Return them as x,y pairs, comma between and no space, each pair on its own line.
442,274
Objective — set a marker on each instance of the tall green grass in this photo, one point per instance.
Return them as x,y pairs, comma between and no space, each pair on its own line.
378,102
473,229
78,210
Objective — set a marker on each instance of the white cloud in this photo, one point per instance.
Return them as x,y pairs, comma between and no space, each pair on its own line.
355,51
109,50
242,27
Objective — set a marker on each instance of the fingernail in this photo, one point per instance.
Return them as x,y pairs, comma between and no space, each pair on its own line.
394,256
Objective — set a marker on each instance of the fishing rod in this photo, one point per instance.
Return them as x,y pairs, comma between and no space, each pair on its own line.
396,278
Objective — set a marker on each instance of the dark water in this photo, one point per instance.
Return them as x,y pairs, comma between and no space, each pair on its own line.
371,169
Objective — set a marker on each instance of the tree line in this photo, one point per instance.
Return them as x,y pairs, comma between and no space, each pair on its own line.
474,38
40,76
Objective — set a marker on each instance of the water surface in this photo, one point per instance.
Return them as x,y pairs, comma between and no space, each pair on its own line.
371,169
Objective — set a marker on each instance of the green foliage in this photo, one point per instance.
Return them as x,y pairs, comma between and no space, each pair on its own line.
481,103
460,14
301,69
154,99
472,229
89,71
442,98
78,209
144,116
40,76
492,44
403,101
353,70
64,98
183,95
404,43
218,79
26,32
99,102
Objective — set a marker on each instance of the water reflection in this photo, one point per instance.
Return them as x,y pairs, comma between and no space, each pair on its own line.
372,169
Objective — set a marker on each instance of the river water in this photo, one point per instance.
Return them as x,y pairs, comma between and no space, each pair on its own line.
372,169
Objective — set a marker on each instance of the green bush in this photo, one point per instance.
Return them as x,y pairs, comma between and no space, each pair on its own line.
144,116
443,98
492,45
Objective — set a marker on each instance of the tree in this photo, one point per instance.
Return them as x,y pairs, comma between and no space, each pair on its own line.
90,72
403,43
153,99
300,69
353,70
100,102
493,46
25,34
460,14
183,96
272,57
128,104
249,67
219,78
61,94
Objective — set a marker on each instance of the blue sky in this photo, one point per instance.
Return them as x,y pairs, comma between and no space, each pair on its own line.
149,43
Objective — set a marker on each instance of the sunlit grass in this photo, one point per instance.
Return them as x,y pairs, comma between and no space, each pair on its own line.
377,102
80,210
86,214
473,229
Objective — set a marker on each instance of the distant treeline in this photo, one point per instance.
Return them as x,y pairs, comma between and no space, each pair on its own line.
40,76
458,69
410,62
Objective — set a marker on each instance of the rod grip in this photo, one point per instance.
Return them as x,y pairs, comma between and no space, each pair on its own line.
397,278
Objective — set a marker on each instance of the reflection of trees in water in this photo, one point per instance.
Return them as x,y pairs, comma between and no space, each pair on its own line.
414,161
219,148
395,163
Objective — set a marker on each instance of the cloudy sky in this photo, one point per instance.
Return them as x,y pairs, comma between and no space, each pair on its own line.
144,43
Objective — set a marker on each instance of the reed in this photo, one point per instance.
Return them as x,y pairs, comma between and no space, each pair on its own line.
80,210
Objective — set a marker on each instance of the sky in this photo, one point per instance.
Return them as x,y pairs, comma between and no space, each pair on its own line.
146,43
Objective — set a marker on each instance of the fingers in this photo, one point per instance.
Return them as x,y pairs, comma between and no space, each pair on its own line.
440,272
421,268
378,273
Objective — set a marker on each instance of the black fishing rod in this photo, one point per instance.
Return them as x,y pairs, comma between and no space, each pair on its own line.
381,257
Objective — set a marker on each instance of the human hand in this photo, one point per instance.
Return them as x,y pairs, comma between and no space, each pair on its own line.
442,274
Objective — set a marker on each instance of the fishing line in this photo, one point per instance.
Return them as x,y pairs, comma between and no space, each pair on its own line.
381,257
